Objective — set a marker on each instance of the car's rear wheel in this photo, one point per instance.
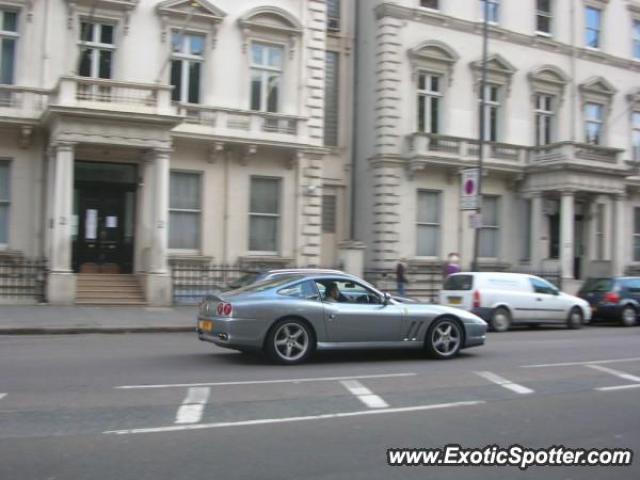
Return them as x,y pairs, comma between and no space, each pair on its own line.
500,320
444,338
628,316
290,341
575,318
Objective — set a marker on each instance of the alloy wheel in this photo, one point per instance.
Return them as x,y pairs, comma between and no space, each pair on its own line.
291,341
446,338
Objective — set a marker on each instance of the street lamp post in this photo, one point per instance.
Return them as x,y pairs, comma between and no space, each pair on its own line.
481,135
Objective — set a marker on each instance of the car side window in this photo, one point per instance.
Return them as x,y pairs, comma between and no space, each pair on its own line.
633,285
304,290
540,286
349,292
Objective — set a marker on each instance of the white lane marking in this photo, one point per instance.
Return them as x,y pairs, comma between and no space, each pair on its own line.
192,406
617,373
2,395
618,387
264,421
365,395
262,382
590,362
503,382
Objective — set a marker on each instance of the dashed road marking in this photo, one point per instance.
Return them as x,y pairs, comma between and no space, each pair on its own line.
2,395
617,373
503,382
589,362
193,405
265,421
365,395
618,387
263,382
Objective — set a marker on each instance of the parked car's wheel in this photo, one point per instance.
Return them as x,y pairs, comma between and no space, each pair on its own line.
444,338
290,341
575,318
628,316
500,320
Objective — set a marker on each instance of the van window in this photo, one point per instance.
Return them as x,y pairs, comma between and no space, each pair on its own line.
459,282
542,286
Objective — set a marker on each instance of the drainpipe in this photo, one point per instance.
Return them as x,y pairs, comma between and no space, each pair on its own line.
225,210
354,123
574,93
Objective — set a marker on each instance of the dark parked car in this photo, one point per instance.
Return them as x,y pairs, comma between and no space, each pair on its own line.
613,298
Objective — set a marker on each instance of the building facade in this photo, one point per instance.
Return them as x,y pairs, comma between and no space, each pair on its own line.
560,189
137,132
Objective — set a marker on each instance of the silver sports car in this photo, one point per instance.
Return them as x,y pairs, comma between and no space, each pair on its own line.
291,316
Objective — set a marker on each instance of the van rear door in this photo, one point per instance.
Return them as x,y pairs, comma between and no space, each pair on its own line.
458,291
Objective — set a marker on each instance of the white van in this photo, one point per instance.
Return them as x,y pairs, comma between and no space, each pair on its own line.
503,299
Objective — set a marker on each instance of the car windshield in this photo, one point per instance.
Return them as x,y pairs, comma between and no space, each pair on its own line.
262,285
459,282
597,285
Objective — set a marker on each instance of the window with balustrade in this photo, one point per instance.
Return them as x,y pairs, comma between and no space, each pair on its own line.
429,102
97,49
264,215
5,202
185,210
545,119
492,112
428,223
489,237
8,42
267,64
187,58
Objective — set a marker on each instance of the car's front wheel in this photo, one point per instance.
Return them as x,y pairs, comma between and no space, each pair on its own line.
290,341
444,339
628,316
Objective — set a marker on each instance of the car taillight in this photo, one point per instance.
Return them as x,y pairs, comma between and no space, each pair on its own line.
227,309
476,299
611,297
220,308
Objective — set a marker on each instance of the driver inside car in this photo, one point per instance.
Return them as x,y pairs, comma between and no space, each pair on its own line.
333,294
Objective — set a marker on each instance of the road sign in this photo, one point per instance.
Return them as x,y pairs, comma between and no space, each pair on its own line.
469,198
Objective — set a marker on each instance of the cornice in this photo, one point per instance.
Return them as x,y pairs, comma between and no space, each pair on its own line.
534,41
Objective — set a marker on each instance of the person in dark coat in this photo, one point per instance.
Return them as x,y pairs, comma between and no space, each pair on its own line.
401,276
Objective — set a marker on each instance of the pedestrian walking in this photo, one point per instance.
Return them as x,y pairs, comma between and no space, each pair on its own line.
451,266
401,276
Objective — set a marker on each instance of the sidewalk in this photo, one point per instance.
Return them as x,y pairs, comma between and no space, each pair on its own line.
46,319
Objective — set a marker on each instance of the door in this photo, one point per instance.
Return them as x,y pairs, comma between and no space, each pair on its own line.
548,305
103,244
360,314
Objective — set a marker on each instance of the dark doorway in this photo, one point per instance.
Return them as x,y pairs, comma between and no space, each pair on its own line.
104,205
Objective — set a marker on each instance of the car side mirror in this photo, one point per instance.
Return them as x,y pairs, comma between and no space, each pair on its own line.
387,298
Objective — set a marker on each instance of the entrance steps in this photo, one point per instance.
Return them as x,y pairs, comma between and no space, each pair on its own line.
108,289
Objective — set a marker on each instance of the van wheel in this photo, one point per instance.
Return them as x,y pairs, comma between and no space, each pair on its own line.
575,318
500,320
628,316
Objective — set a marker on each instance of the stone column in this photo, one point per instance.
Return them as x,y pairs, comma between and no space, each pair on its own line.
61,281
567,222
158,285
618,235
537,253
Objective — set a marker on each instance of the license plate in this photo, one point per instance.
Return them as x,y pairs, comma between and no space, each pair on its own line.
455,300
205,325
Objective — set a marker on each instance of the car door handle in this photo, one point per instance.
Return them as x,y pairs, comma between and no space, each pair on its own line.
332,316
538,299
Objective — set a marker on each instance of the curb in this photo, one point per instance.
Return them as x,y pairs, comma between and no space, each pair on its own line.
83,330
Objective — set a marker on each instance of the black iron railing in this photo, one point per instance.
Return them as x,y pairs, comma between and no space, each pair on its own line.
424,283
23,279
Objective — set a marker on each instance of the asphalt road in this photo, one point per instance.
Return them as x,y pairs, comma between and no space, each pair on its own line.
190,410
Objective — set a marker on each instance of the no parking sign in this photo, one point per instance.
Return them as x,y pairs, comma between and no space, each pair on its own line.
469,199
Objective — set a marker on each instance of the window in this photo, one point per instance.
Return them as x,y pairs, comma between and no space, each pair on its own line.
542,286
636,234
494,10
331,98
527,218
97,50
592,32
593,123
333,15
428,224
264,215
545,119
543,16
635,140
187,56
184,211
266,76
432,4
599,231
303,290
554,235
491,113
328,214
429,97
8,39
636,39
490,231
5,202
